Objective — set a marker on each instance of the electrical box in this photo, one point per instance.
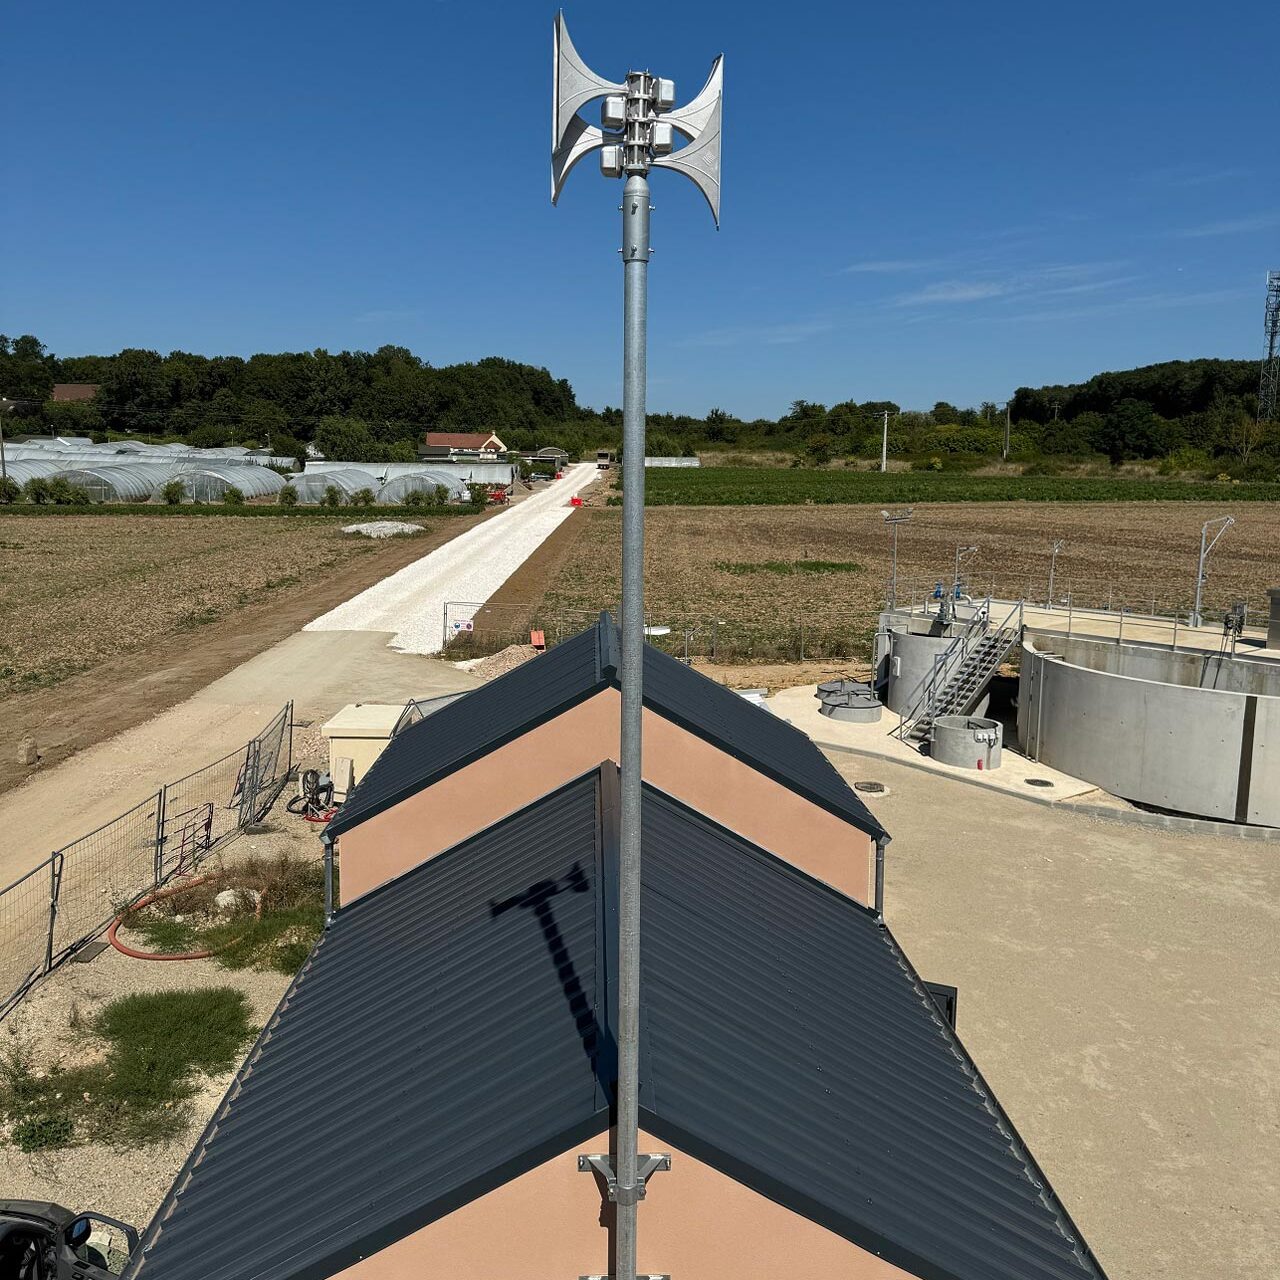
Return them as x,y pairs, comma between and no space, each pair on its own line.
611,161
664,94
613,112
660,139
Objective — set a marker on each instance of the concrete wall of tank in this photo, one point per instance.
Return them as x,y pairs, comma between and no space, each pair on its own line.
1214,753
907,647
1195,670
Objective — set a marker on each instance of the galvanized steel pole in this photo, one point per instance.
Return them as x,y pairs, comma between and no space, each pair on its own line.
635,258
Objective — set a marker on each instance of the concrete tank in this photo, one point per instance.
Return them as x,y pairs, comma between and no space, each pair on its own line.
968,742
909,644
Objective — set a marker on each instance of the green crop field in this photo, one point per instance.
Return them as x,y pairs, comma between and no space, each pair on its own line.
751,486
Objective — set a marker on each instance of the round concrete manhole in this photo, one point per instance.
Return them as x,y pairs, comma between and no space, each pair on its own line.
1038,782
871,788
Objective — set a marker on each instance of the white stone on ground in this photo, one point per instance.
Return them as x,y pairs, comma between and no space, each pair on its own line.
383,528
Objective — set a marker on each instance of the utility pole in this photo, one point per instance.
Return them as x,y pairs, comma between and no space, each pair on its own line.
1004,453
636,134
884,444
961,552
1207,544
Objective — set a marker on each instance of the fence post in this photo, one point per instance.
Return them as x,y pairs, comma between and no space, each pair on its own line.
1069,614
55,882
160,808
289,761
802,637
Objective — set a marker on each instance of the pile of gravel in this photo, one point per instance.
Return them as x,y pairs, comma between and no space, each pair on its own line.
498,664
383,528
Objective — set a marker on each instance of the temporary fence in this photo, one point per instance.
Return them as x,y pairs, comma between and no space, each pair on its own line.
58,906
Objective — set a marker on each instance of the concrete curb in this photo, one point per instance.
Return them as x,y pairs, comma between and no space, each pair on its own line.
1127,817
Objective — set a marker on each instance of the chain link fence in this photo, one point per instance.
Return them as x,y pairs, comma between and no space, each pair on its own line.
58,906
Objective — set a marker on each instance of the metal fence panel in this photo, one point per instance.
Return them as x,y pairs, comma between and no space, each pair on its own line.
24,932
201,810
103,871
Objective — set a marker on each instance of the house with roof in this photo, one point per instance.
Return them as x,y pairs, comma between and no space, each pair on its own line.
521,736
69,392
427,1097
477,445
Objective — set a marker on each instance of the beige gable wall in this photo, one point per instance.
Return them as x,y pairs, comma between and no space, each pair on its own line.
684,766
695,1223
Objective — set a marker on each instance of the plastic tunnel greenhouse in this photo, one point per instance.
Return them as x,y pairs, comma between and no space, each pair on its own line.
394,492
310,485
209,483
29,468
129,483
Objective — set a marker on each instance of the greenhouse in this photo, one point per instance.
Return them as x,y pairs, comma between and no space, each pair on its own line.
423,481
133,482
310,485
210,482
29,469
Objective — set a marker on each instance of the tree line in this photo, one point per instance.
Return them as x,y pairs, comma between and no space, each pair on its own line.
375,406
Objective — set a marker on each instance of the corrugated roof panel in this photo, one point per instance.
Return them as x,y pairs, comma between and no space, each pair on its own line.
441,1038
473,726
523,698
788,1042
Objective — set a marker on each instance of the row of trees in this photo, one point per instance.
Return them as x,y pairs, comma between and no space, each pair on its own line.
374,406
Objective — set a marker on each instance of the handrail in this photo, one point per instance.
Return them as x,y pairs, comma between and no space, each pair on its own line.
942,662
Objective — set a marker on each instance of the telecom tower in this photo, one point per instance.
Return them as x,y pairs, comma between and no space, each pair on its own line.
1270,385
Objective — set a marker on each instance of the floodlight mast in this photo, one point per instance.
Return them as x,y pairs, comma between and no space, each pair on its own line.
637,135
1207,544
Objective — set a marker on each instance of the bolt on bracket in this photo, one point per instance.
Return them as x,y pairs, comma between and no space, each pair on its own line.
645,1166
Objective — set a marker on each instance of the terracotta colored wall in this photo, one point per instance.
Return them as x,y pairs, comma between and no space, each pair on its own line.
695,1223
696,773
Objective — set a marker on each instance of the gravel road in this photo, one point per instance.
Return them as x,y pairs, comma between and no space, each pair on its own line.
410,603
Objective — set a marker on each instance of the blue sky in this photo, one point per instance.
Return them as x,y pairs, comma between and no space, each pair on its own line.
921,202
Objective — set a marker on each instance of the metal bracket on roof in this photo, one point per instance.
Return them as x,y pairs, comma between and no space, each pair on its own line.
650,1276
645,1166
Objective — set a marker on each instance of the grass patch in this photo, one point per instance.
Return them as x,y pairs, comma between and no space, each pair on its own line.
785,568
153,1043
278,915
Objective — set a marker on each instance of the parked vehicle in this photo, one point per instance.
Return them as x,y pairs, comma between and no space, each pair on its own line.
604,459
44,1241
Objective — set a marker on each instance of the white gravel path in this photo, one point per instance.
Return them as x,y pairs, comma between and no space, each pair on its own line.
471,567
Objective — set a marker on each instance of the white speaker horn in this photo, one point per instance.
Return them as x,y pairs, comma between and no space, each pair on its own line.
574,85
580,139
692,118
700,160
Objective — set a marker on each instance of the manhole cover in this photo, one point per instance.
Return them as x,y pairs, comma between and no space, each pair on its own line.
1038,782
876,788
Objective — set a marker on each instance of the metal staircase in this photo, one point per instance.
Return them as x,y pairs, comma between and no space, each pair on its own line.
961,673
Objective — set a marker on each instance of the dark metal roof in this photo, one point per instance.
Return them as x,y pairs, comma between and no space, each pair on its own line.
543,688
789,1043
440,1040
452,1030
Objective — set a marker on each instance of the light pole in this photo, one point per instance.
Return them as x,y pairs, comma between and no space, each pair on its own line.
1004,453
884,444
1056,546
961,552
637,131
1207,544
893,521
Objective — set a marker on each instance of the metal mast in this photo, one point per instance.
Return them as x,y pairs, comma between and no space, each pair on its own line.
636,134
1269,387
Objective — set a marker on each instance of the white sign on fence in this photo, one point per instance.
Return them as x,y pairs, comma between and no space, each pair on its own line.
468,625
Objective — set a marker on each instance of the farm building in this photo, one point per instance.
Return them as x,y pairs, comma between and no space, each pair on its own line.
461,444
210,482
422,1100
310,486
68,392
530,731
398,488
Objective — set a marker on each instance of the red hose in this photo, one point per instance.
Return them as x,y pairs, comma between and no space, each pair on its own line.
158,896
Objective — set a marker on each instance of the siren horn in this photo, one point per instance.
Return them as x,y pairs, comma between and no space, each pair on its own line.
692,118
575,84
699,161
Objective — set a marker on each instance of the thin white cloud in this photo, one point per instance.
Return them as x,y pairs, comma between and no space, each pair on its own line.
388,315
950,291
1120,306
1231,226
1189,176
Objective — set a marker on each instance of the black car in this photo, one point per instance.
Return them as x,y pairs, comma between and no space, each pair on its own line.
43,1241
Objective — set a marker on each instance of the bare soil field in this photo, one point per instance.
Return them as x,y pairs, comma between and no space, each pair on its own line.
771,583
110,620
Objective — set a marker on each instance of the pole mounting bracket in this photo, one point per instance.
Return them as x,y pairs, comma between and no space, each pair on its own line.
645,1167
650,1276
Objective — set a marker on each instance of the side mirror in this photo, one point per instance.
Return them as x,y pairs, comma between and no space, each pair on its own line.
78,1232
